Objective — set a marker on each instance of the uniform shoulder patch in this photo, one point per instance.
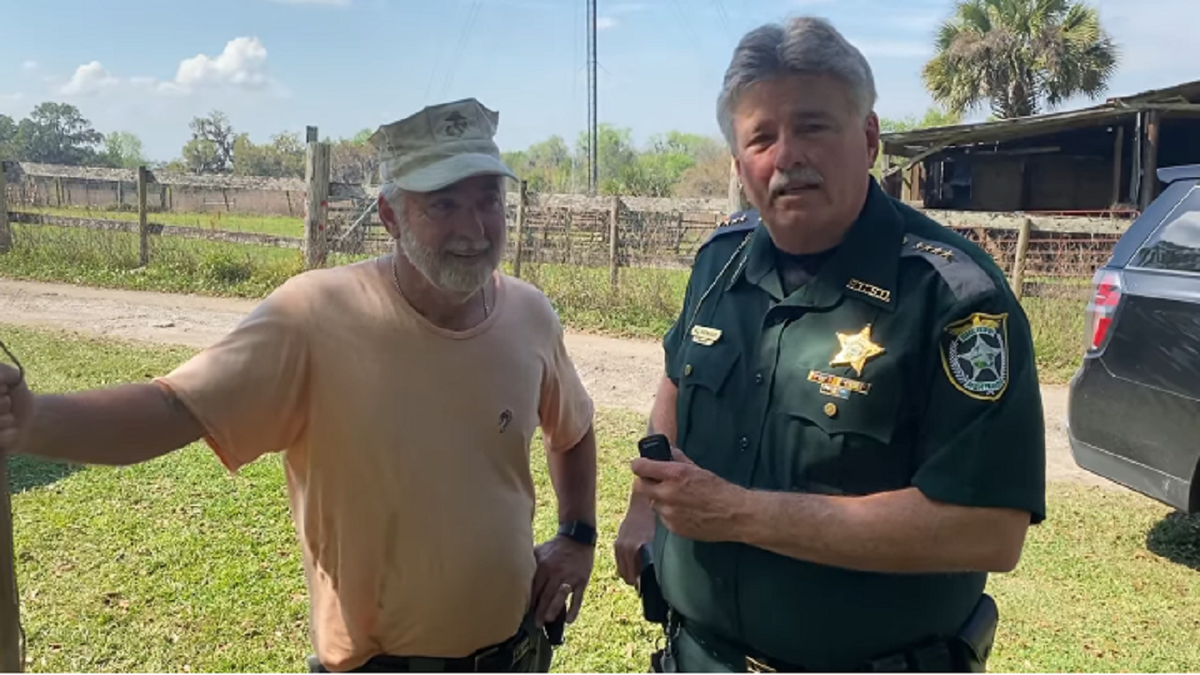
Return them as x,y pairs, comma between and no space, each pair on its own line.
975,355
961,273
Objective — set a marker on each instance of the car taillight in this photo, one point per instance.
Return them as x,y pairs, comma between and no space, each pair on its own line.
1106,286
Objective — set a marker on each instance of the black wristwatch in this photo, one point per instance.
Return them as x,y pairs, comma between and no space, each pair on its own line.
579,532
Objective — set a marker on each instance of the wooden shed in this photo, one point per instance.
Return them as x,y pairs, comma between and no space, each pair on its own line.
1093,161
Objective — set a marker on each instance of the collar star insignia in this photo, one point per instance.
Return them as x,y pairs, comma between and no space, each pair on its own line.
857,349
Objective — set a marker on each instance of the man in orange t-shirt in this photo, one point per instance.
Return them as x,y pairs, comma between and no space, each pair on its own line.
404,392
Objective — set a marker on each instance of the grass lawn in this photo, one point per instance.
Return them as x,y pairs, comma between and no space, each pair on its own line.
279,226
174,565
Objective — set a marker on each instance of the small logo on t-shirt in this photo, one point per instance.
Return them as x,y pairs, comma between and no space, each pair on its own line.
505,418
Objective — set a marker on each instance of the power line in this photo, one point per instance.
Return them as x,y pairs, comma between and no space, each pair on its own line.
687,24
456,58
724,17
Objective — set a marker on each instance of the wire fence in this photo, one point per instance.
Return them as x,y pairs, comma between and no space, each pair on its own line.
603,235
1054,264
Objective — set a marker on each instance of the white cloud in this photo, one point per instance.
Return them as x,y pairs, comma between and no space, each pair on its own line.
241,65
89,78
15,97
29,65
605,22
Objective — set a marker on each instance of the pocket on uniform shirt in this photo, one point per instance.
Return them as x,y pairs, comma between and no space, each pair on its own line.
707,394
846,444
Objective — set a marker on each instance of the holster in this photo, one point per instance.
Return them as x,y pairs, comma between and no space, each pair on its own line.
654,605
978,634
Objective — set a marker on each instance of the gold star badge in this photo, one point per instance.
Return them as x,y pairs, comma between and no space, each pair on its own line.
857,349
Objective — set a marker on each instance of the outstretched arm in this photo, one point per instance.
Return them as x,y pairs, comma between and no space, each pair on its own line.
119,426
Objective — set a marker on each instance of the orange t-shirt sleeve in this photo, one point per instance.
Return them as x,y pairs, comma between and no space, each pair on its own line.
566,408
249,389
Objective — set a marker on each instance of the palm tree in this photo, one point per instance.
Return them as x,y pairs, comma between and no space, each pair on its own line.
1019,56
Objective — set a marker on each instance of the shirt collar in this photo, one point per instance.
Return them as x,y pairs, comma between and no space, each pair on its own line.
863,267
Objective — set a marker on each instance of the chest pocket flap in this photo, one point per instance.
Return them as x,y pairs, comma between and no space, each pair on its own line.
708,367
843,441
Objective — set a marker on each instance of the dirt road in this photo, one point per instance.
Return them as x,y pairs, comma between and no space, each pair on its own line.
619,373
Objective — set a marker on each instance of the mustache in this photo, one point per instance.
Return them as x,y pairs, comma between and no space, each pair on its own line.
792,179
466,247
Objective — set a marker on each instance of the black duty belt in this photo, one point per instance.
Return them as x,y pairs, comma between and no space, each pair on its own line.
941,655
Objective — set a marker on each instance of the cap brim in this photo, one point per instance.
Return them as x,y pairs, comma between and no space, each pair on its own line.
451,170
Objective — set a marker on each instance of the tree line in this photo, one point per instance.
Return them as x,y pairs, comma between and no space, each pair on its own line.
58,133
1012,57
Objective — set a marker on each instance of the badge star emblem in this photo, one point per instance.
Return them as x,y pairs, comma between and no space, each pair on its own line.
857,349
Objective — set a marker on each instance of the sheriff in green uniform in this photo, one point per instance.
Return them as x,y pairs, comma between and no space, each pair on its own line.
852,392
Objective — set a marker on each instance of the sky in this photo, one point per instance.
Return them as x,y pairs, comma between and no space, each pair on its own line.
346,65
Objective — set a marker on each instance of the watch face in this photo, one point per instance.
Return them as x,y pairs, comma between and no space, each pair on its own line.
580,532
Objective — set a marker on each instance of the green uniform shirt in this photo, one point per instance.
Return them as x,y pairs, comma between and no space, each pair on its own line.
906,361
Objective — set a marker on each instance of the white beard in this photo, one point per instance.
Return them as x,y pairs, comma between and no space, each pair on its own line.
444,270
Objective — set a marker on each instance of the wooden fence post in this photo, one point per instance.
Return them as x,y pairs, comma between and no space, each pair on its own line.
737,198
143,225
1018,273
5,231
614,216
316,174
519,250
12,642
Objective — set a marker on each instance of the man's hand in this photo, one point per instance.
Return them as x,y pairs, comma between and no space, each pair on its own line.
16,409
636,530
692,502
564,568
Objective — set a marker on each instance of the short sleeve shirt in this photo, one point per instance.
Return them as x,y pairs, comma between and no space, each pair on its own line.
406,451
906,362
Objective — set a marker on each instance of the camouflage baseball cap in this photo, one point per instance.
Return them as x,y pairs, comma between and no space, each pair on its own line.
440,145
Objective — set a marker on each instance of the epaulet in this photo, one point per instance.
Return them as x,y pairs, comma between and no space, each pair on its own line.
961,273
742,221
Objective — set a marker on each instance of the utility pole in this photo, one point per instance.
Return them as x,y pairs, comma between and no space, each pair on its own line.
593,136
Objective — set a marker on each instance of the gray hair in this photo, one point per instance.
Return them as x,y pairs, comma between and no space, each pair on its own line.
394,196
805,45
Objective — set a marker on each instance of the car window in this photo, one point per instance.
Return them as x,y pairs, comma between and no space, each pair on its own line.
1176,244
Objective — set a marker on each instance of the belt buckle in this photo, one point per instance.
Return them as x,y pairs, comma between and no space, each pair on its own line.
753,665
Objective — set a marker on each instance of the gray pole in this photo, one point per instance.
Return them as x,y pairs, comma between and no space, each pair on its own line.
593,136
